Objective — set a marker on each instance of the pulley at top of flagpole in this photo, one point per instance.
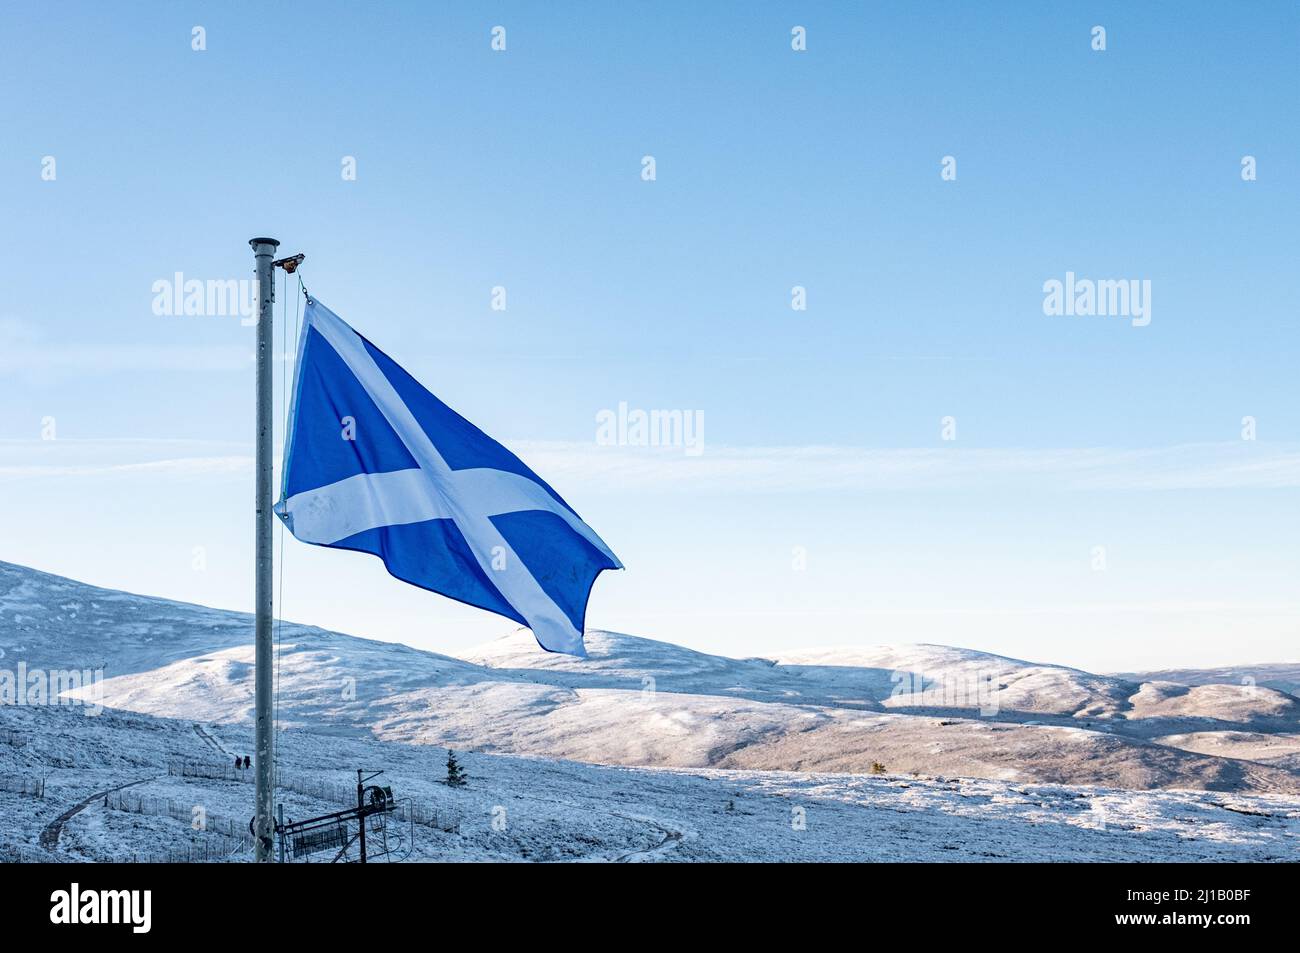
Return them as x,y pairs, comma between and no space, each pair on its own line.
290,266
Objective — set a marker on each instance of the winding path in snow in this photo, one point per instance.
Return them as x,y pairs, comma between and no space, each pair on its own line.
50,835
672,837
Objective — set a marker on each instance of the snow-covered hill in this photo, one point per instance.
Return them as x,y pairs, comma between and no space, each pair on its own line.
980,679
916,708
1282,676
112,792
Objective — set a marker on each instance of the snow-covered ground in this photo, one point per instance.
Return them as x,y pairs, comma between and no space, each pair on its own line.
532,809
646,751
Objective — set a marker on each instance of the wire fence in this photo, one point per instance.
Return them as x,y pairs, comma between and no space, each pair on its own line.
213,838
15,739
331,792
438,818
179,768
235,832
345,795
29,785
200,851
30,854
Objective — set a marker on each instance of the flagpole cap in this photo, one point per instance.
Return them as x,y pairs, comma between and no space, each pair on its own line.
263,241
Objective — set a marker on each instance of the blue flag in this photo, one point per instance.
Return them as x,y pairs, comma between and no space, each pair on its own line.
377,464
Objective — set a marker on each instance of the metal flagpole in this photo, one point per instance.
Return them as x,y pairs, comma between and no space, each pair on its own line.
263,823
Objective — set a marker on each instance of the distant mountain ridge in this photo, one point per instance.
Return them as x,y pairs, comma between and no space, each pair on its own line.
1280,676
640,702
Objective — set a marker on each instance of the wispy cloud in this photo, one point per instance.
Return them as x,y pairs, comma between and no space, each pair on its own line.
182,466
726,469
42,459
25,350
114,359
1230,465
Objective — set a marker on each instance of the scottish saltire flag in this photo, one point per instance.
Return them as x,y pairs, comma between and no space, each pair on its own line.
376,463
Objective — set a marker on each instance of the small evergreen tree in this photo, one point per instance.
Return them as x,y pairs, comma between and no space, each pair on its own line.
456,776
877,768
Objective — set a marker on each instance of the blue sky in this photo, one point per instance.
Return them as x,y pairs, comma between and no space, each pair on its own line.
522,169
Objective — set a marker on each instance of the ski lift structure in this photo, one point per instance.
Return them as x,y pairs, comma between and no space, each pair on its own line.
371,831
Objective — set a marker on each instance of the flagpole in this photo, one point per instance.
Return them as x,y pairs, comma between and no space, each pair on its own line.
263,824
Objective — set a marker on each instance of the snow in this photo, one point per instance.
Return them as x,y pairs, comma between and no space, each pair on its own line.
643,703
535,809
1283,676
645,752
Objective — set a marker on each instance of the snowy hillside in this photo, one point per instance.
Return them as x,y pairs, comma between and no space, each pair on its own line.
116,788
1284,677
917,708
1013,686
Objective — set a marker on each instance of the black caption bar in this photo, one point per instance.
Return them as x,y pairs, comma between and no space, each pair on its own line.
137,903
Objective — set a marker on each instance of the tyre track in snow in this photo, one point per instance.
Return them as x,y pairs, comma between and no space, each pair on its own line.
50,835
672,835
672,838
210,741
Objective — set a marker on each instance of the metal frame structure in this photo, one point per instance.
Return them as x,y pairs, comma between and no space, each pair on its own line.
298,839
